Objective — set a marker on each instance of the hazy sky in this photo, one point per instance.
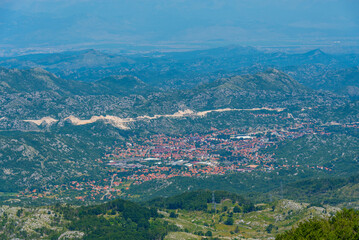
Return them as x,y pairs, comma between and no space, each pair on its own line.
51,23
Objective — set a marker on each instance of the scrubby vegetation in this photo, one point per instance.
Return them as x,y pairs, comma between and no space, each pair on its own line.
344,225
200,199
117,219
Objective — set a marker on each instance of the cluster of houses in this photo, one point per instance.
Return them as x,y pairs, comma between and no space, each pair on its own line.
217,152
163,157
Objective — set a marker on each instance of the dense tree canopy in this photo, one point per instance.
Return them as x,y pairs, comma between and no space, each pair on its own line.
198,200
118,219
344,225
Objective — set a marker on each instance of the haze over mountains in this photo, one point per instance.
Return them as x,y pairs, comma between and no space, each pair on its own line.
177,24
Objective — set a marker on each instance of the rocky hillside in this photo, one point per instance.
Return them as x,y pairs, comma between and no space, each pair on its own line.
127,220
35,93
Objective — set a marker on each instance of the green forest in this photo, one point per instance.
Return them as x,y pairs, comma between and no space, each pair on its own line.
344,225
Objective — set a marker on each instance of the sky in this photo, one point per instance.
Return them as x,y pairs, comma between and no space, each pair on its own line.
177,23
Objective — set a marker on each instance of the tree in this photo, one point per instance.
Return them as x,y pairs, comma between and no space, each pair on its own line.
19,212
248,208
173,215
229,221
269,228
236,209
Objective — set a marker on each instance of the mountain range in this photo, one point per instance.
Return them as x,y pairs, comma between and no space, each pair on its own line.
188,69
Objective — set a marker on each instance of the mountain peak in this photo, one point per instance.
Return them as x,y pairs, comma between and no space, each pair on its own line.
40,70
273,70
91,50
124,80
270,80
125,84
315,52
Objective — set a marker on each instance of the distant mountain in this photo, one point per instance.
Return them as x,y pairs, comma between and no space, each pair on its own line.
173,70
123,85
233,51
318,76
315,53
270,80
37,80
67,60
271,88
248,56
37,93
315,56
